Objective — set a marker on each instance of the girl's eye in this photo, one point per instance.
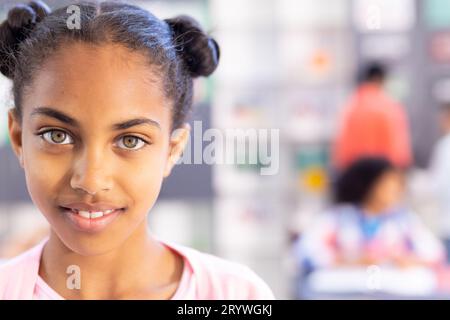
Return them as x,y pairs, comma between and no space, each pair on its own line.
57,137
131,143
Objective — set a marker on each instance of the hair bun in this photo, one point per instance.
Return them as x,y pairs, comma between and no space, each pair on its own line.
200,52
21,16
21,19
41,8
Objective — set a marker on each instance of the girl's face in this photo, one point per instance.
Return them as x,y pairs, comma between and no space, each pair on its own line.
387,191
95,135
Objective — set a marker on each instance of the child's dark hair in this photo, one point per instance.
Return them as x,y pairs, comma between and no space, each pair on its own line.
177,49
373,71
355,183
445,107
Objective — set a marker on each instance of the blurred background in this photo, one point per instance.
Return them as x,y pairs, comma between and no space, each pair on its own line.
300,66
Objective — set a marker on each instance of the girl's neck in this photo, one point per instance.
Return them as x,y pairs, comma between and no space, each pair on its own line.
141,267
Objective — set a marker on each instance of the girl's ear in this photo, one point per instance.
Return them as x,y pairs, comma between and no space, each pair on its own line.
15,135
178,141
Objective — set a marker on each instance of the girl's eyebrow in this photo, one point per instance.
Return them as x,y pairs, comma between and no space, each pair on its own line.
58,115
135,122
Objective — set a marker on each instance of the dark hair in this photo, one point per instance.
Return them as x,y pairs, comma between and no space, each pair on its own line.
177,48
373,71
445,107
357,181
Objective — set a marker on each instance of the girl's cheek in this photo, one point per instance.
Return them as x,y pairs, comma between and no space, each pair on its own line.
45,173
44,183
144,179
44,167
147,175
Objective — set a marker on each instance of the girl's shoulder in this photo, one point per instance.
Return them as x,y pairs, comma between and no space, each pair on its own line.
217,278
18,275
211,277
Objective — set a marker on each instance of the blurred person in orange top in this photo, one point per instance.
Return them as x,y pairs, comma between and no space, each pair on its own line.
372,124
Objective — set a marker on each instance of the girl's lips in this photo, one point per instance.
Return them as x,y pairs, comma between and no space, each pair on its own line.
96,221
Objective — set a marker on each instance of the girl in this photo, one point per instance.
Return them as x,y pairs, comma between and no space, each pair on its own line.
369,225
98,123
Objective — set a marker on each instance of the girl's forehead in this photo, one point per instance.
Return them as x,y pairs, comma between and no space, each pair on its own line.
84,67
106,80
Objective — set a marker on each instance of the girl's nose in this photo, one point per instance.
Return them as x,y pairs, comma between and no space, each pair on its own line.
91,173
